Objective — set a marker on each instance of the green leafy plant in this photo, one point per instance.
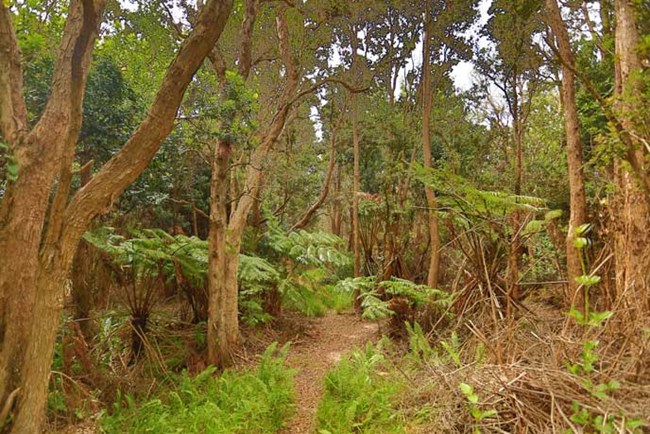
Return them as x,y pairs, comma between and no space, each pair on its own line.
376,296
473,405
257,401
359,396
304,260
586,368
184,260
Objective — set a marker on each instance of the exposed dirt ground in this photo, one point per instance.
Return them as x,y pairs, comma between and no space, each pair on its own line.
331,337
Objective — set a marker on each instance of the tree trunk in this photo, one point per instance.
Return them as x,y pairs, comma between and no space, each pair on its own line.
356,187
578,203
219,342
632,228
225,236
32,283
23,209
427,95
336,216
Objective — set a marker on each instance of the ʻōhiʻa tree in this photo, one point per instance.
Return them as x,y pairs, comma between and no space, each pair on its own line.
43,234
632,232
434,233
577,199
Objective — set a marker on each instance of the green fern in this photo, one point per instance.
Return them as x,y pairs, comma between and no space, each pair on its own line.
456,192
153,246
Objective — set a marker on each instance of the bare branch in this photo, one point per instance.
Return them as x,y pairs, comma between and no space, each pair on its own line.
246,47
325,81
121,170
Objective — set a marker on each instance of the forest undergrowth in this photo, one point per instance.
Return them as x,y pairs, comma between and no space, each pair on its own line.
540,372
324,216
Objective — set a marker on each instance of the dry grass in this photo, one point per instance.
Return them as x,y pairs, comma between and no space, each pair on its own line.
524,376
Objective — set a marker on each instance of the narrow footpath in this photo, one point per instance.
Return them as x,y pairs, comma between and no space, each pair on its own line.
332,336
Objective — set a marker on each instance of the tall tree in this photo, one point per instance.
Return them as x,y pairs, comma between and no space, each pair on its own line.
578,203
632,230
513,65
227,230
47,233
427,97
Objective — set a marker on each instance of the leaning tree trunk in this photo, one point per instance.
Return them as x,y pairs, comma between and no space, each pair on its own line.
32,283
578,204
325,189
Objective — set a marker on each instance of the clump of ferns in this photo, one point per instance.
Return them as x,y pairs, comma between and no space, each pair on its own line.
140,281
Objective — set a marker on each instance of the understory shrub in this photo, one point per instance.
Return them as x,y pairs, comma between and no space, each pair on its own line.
258,401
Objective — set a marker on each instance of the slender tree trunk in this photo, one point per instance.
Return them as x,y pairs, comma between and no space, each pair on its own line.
218,339
325,189
356,187
632,236
427,96
336,216
578,202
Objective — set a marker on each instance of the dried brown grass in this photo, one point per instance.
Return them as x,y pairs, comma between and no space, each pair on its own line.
524,376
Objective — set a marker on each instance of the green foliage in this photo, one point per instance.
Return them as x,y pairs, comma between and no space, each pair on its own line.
419,345
151,249
453,350
305,259
153,246
299,264
317,249
375,296
586,369
257,401
9,167
458,193
359,397
473,405
337,300
235,113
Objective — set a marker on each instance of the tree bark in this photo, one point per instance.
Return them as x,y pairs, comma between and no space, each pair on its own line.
336,216
225,237
33,282
356,188
427,96
218,339
39,153
632,231
578,203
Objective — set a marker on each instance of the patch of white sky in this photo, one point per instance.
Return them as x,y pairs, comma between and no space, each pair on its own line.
176,10
463,74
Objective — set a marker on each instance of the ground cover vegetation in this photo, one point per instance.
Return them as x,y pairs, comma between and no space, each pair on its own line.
253,216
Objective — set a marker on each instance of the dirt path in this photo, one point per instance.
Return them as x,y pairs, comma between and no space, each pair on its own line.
332,336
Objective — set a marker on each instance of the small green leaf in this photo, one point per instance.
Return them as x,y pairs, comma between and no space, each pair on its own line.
580,242
466,389
587,280
634,423
583,229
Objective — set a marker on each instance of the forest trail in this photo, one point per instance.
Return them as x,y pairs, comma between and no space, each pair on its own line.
332,336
